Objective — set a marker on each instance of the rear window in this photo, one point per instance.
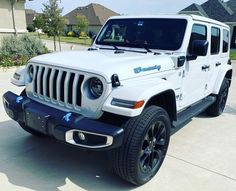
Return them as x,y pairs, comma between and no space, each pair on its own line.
225,41
215,40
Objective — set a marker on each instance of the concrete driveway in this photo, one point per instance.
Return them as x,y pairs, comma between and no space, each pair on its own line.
201,157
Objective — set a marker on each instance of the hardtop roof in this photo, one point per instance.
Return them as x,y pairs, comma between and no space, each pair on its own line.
180,16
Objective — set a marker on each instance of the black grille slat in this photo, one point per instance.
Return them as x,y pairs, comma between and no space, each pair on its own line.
78,89
62,97
41,81
35,80
48,82
55,85
70,88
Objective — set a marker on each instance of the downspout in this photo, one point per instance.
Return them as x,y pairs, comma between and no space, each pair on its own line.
13,15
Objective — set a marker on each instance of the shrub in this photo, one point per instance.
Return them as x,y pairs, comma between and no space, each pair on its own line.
30,28
91,34
18,50
71,34
83,34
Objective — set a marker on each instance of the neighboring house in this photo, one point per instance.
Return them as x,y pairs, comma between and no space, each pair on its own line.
224,11
12,17
96,15
30,15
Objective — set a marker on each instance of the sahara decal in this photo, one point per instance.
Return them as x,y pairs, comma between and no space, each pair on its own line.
140,69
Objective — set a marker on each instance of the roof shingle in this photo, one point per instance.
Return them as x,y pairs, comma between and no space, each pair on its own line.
215,9
95,13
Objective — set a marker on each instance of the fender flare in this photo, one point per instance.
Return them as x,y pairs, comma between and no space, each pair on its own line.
224,72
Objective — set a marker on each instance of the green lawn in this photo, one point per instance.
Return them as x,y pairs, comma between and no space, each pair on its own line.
233,55
76,40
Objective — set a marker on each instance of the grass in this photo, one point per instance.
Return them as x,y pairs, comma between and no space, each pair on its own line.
233,55
76,40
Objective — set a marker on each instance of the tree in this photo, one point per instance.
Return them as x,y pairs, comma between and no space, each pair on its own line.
82,23
54,23
38,22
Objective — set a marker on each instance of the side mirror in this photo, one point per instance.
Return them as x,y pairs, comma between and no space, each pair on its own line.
198,48
93,38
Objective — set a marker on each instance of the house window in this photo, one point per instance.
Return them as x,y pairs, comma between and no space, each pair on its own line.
199,32
225,40
215,40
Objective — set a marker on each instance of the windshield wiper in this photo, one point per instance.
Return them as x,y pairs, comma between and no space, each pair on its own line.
114,47
145,46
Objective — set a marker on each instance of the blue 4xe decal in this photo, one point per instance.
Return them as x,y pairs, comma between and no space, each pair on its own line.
67,117
140,69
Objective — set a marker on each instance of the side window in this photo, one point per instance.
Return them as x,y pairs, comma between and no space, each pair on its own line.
225,41
199,32
215,40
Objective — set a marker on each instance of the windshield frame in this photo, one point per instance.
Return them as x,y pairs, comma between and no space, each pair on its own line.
142,45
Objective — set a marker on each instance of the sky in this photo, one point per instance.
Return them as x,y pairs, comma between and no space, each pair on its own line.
126,7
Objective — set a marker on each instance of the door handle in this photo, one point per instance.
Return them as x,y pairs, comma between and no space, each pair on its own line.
205,67
218,64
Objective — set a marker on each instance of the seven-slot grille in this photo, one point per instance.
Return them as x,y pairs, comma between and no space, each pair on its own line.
58,86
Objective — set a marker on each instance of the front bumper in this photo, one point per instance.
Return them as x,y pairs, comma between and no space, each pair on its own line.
67,127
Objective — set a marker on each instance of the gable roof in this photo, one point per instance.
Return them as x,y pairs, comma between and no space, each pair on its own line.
215,9
232,5
195,8
95,13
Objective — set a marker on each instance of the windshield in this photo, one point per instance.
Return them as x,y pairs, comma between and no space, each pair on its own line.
162,34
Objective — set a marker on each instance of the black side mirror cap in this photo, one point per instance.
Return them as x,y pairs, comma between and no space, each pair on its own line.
199,47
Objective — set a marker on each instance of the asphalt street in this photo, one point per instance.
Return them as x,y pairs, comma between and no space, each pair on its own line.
201,157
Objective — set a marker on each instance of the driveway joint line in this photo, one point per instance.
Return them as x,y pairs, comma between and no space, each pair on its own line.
203,168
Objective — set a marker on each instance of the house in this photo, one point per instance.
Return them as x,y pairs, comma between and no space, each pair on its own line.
224,11
96,15
30,15
12,14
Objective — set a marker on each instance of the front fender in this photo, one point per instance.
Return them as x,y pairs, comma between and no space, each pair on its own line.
135,91
221,75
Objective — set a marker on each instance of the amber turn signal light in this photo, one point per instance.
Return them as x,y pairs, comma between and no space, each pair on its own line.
138,104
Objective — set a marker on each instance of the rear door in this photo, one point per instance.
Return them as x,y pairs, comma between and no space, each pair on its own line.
219,46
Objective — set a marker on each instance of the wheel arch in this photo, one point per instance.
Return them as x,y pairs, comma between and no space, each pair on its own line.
165,100
229,75
226,72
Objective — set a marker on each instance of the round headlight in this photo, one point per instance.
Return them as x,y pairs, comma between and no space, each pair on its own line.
31,72
96,87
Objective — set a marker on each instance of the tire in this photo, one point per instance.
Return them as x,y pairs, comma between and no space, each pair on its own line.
218,106
144,147
28,129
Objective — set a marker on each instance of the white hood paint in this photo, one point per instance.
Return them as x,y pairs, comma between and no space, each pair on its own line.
106,62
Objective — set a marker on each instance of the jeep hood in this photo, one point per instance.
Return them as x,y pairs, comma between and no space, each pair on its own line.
106,62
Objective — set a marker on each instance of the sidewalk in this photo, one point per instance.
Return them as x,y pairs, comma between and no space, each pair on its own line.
64,46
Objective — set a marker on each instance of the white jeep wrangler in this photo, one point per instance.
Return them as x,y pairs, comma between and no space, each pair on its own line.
141,77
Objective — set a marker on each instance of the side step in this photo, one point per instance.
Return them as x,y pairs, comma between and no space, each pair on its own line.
192,111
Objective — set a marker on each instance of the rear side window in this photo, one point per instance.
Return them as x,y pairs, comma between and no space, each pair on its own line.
215,40
225,41
199,32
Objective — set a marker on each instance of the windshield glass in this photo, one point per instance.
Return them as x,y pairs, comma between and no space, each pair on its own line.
162,34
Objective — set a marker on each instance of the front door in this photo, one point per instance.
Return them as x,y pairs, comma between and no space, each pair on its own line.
196,71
